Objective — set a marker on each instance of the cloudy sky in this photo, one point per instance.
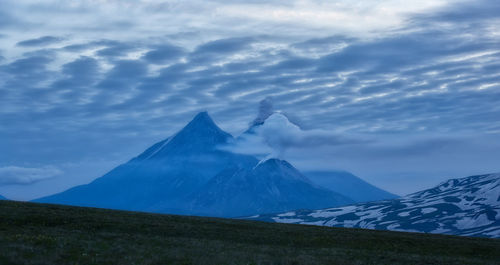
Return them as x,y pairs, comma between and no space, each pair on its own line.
403,94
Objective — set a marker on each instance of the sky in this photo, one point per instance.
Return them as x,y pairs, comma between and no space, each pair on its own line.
404,94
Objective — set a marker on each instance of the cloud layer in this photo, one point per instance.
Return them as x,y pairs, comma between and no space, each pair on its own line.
135,71
13,175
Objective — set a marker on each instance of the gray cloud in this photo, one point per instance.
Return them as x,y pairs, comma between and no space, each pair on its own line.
466,12
82,68
163,54
436,75
127,69
219,49
80,47
8,20
42,41
28,65
116,49
224,46
13,175
266,109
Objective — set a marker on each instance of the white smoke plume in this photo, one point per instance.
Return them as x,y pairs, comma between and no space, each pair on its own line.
272,134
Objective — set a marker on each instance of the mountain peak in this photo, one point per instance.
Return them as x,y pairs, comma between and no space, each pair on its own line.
271,162
202,122
275,161
281,167
202,117
200,132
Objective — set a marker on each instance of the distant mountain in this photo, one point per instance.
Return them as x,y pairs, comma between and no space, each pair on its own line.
348,185
2,198
271,186
180,175
468,206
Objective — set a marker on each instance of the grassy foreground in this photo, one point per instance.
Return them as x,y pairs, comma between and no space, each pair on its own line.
52,234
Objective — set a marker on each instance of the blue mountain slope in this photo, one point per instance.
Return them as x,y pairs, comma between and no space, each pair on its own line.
271,186
348,185
162,175
467,206
2,198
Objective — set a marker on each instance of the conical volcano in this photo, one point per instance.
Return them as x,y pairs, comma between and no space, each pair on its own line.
161,177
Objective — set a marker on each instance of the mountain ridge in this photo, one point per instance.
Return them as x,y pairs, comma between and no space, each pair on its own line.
467,206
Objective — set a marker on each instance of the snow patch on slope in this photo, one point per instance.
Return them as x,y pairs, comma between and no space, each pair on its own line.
467,206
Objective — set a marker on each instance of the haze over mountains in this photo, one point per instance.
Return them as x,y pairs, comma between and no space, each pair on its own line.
188,173
467,206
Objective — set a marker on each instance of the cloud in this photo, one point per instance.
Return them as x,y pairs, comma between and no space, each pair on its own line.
13,175
128,70
424,70
28,65
464,13
219,49
81,47
80,77
8,20
21,75
271,134
84,67
116,49
163,54
42,41
224,46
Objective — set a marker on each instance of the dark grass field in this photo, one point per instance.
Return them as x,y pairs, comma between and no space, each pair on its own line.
52,234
